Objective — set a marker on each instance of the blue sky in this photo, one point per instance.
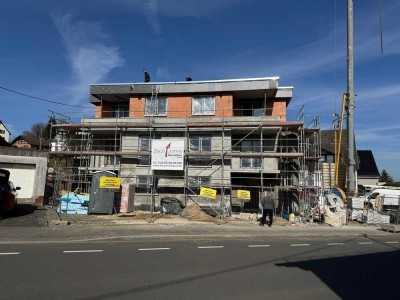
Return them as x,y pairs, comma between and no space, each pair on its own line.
54,49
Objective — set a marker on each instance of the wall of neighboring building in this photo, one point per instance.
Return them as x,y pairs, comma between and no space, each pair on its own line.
22,144
368,181
4,132
27,171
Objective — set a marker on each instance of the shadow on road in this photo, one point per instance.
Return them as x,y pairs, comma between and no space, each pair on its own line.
366,276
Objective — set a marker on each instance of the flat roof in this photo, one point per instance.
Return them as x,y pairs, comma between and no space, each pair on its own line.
242,87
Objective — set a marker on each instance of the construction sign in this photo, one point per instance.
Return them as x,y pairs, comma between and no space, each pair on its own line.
109,182
208,193
243,195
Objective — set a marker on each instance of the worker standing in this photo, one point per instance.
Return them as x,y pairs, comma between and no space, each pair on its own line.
268,206
146,76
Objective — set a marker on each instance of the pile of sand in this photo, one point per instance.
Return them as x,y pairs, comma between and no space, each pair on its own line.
195,213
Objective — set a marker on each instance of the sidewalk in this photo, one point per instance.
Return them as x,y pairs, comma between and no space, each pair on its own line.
149,232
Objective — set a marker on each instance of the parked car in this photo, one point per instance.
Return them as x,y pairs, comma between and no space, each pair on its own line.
8,192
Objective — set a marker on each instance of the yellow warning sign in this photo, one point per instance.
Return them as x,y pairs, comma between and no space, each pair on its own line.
110,182
243,195
208,193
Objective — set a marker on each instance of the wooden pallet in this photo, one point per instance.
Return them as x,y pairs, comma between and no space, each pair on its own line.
390,227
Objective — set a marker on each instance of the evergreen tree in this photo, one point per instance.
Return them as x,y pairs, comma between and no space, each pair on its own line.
385,176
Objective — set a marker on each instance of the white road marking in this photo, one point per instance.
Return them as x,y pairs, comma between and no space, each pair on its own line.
210,247
10,253
153,249
257,246
335,244
82,251
365,243
299,245
394,242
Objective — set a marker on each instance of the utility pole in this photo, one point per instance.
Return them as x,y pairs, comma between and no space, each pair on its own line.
350,99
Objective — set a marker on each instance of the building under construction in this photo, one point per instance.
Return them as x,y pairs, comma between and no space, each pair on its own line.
171,139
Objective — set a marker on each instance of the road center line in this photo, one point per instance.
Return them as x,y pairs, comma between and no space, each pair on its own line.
10,253
394,242
258,246
335,244
153,249
82,251
299,245
365,243
210,247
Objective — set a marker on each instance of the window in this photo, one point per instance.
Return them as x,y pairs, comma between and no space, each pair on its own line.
253,109
203,105
156,106
251,146
145,146
2,131
250,162
121,110
143,184
200,143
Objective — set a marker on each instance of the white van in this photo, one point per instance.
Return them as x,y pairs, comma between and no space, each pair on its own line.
390,198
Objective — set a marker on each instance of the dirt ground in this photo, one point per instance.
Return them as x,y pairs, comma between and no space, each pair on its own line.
35,215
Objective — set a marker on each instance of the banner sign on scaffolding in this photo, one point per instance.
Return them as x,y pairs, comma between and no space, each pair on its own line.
167,154
243,195
109,182
208,193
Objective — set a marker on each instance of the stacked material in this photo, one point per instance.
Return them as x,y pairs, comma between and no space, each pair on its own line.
356,213
357,203
372,217
72,203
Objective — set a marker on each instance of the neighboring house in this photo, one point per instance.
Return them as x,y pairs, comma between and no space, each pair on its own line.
27,170
28,142
367,173
172,138
330,140
4,132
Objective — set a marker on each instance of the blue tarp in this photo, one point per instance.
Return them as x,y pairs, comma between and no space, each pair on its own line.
72,203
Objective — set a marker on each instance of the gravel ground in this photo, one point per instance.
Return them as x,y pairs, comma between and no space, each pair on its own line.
25,215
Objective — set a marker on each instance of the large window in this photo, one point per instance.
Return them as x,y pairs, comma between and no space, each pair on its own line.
121,110
145,146
200,143
253,146
253,109
203,105
156,106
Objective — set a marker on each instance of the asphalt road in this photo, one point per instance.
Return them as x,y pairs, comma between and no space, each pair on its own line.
255,268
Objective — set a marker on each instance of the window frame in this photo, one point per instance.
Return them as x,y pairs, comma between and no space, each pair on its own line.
117,111
157,107
202,111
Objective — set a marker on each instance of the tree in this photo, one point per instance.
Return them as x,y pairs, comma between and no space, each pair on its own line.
37,130
42,130
385,176
50,133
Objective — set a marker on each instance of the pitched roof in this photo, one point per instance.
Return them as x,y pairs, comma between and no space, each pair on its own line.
31,140
367,165
328,141
5,127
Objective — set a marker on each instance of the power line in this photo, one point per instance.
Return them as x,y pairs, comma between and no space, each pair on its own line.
41,99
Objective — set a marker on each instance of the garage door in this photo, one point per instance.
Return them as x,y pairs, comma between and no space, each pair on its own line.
22,175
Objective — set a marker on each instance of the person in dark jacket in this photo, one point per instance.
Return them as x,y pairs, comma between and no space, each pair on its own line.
146,76
268,206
